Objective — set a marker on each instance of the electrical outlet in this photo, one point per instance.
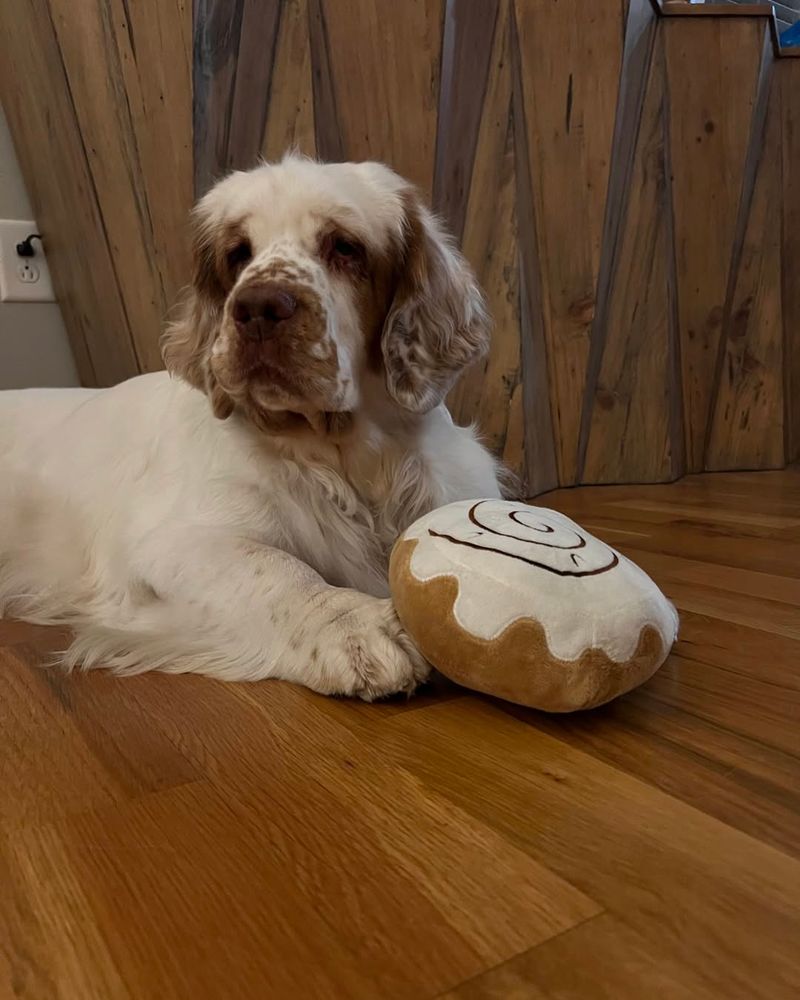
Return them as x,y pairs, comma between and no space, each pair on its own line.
22,279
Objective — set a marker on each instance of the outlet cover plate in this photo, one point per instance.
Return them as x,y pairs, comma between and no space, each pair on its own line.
12,289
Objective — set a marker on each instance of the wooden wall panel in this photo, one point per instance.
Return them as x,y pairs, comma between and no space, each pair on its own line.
640,33
540,463
606,169
712,74
788,71
42,117
118,123
384,62
155,47
747,422
491,392
290,114
252,81
467,44
630,432
216,31
570,92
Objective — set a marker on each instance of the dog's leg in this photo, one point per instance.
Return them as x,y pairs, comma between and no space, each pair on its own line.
240,610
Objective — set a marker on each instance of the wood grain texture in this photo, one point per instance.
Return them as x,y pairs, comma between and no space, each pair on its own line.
447,846
157,78
384,61
630,433
641,281
712,73
539,446
216,33
255,59
788,71
135,148
746,428
570,92
640,32
290,116
486,392
42,116
467,45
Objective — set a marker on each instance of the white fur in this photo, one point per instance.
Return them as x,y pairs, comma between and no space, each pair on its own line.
170,539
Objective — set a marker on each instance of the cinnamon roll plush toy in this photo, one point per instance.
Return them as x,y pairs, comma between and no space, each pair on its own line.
520,602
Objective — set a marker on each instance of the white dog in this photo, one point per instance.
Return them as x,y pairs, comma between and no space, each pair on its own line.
234,517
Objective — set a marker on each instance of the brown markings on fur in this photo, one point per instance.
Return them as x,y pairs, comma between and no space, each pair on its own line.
438,323
339,425
212,245
373,277
187,343
280,269
374,300
416,251
299,361
352,264
414,280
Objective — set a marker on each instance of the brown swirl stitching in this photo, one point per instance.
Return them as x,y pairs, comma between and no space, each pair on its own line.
528,541
531,562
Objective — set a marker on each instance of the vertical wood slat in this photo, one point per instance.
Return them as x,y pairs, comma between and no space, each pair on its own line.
532,167
746,429
712,68
639,33
327,133
491,392
255,58
216,31
42,115
539,447
384,61
111,115
469,30
788,71
290,116
570,88
157,78
630,433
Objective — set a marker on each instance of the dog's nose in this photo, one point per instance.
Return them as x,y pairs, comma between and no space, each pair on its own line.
258,310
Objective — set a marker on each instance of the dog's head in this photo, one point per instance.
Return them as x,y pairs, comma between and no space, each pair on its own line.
307,278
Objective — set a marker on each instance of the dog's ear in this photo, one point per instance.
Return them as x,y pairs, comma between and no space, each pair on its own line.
437,323
188,340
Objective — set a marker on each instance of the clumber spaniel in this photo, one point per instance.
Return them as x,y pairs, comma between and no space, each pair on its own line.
234,517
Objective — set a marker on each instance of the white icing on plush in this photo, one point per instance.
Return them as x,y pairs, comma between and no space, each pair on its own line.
582,592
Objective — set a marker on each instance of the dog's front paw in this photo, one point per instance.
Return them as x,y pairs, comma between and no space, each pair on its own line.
362,650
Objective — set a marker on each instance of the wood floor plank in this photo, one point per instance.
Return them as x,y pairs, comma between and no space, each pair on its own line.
731,776
723,547
710,896
44,637
73,743
602,959
185,839
742,582
322,838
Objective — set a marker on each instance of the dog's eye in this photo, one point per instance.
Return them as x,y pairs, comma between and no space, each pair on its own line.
342,253
345,248
239,256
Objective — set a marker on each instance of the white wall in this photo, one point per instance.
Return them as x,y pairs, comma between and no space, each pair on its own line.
34,350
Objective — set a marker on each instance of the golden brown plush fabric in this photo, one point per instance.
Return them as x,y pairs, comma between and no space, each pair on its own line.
518,664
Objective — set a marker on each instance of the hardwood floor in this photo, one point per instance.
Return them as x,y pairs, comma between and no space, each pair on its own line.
173,837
